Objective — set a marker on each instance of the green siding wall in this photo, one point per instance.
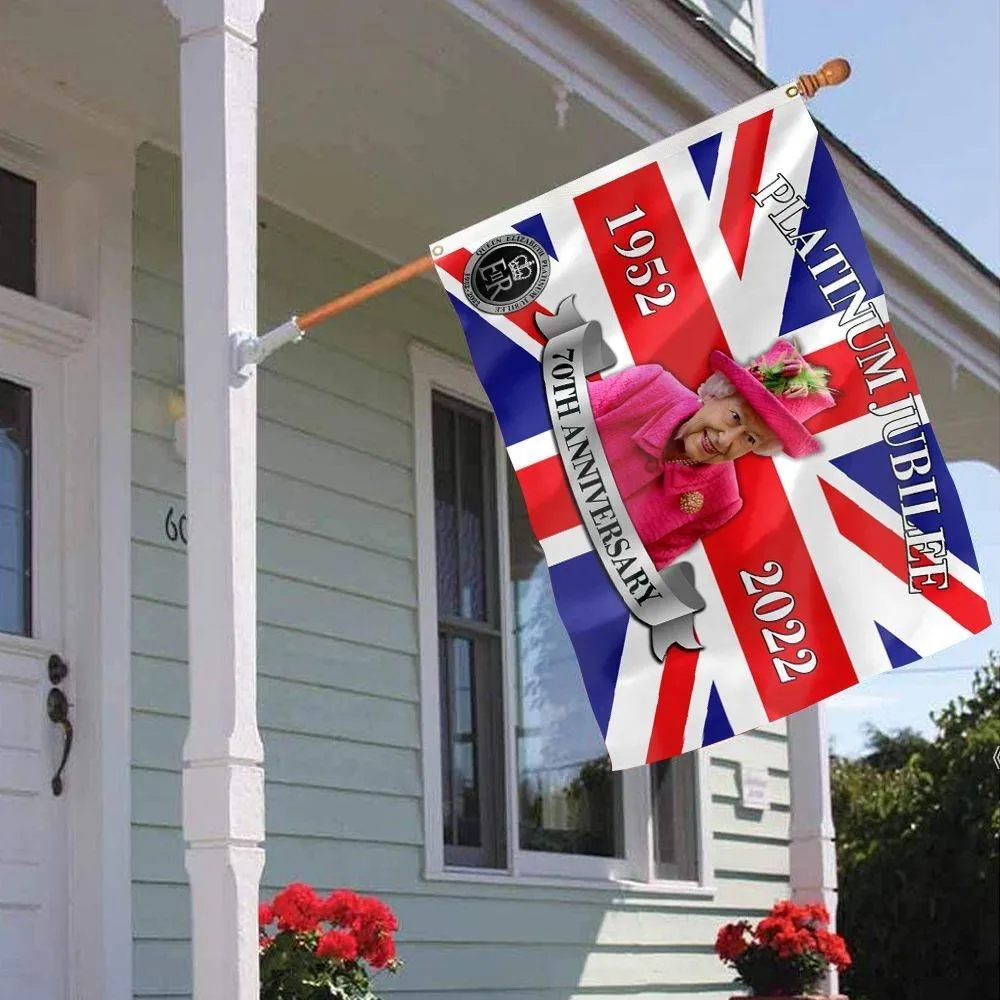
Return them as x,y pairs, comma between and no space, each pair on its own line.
338,689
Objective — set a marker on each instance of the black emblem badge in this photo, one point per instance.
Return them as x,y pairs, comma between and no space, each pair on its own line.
506,273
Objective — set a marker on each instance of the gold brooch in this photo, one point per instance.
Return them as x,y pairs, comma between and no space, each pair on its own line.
691,502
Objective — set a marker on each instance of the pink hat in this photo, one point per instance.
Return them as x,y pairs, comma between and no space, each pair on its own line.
784,391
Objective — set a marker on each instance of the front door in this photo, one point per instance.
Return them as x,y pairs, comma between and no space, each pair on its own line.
33,823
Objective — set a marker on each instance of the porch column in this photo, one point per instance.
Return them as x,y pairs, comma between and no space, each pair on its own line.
813,859
223,779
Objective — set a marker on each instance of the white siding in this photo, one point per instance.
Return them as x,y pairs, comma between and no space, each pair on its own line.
337,658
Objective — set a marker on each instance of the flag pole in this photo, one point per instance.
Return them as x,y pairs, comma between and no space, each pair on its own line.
249,351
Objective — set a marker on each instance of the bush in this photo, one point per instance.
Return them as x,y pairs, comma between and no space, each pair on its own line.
918,828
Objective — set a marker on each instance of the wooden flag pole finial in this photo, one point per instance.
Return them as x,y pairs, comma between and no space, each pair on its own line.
830,74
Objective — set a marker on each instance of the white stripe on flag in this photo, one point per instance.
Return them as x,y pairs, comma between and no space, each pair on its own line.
637,691
532,450
565,545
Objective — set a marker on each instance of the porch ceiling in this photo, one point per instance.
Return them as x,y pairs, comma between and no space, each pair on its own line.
391,122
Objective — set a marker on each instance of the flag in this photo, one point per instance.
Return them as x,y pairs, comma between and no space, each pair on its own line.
721,443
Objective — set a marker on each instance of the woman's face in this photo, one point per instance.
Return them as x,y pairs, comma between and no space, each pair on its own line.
724,430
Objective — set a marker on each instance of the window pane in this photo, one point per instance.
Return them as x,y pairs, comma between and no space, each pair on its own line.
445,513
662,775
674,817
570,800
17,232
460,777
15,508
473,510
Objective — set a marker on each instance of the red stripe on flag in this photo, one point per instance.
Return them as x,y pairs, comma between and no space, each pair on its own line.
886,547
848,383
744,178
766,531
676,685
454,263
679,335
547,496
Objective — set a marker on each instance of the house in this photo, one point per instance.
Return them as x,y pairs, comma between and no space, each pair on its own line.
327,563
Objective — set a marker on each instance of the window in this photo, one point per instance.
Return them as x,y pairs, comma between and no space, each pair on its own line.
15,508
517,778
17,232
469,636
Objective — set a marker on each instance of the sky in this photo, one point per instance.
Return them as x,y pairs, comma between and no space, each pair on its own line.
922,107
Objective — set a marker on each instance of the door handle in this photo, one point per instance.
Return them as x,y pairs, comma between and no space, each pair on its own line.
57,708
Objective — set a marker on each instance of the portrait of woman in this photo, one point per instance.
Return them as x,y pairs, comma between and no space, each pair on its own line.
672,450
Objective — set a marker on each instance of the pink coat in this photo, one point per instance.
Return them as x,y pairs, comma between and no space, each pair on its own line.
637,412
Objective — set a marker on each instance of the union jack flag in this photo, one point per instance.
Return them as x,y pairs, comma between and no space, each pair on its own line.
834,520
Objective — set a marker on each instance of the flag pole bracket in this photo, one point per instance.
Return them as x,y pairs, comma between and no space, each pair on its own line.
249,351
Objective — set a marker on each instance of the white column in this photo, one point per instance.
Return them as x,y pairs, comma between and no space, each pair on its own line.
813,860
223,777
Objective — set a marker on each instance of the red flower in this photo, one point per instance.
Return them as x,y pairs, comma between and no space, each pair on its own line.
265,942
339,907
337,944
833,949
381,953
731,941
371,922
265,915
296,908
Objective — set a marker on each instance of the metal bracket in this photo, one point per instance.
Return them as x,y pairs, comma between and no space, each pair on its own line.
249,350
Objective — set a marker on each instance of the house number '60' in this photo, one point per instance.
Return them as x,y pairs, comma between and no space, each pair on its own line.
175,528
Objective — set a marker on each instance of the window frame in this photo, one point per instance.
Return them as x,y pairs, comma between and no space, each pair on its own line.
436,372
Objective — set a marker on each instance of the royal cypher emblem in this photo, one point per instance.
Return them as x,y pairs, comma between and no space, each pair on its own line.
506,274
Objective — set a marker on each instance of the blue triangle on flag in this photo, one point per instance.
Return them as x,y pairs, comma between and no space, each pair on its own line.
898,652
535,228
717,725
705,155
511,376
871,469
596,620
828,209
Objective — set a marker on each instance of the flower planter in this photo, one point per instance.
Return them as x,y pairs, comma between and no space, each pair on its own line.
790,949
